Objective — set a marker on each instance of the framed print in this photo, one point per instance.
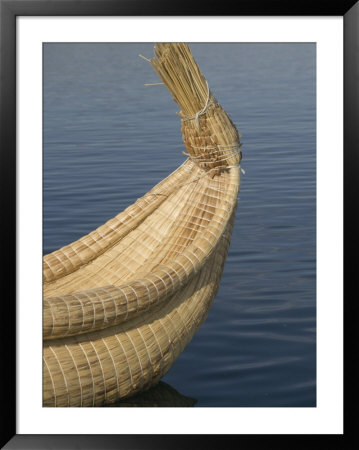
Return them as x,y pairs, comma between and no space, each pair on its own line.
88,129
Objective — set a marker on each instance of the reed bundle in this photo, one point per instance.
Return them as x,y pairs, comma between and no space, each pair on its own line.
121,303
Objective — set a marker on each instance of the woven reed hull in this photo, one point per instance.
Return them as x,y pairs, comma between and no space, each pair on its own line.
99,368
121,303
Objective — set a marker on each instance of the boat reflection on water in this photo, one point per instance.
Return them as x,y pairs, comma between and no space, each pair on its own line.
161,395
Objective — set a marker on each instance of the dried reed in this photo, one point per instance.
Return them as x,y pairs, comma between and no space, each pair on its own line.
121,303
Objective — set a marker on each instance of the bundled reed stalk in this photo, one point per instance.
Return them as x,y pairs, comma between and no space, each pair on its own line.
121,303
208,133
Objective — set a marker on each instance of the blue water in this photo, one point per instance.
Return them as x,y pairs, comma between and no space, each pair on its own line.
108,139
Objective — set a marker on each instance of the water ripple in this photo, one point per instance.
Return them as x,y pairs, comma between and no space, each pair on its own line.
108,139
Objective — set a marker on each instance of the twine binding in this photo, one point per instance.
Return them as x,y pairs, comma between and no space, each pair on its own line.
202,111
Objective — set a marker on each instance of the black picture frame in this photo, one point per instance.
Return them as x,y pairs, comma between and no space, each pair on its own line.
9,10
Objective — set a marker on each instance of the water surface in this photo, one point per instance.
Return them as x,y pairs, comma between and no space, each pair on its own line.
108,139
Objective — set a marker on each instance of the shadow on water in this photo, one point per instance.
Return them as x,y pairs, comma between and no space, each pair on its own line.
161,395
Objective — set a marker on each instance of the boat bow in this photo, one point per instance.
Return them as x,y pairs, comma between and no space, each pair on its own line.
121,303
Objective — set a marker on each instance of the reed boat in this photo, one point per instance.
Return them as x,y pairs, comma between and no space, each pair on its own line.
121,303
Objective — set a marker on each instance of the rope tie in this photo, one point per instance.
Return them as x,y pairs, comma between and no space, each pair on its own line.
201,112
203,175
217,154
